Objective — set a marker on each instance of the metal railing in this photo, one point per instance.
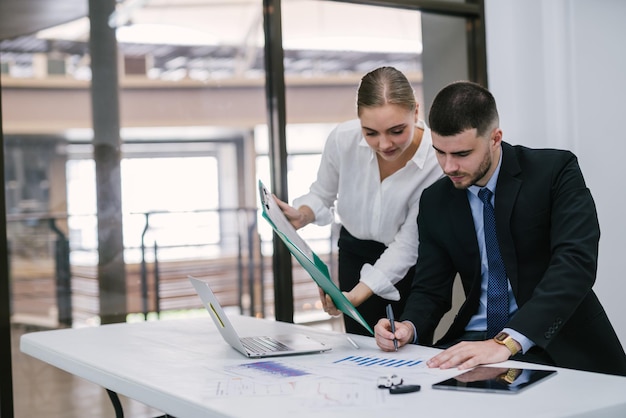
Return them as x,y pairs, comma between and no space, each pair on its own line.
236,248
38,228
248,243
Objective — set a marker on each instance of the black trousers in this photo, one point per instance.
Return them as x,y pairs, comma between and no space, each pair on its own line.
353,254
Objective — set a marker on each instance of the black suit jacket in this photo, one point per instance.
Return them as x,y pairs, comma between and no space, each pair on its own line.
548,234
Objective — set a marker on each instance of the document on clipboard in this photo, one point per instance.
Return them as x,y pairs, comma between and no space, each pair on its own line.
317,269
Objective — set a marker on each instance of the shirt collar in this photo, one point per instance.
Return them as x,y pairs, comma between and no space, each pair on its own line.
426,146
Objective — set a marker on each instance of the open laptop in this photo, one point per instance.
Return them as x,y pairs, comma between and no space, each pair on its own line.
255,346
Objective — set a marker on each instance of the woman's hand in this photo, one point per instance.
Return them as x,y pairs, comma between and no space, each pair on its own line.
359,294
327,303
296,217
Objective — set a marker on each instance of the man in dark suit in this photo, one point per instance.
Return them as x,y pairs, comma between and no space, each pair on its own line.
547,243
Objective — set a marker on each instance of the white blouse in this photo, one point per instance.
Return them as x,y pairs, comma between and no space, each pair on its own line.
348,182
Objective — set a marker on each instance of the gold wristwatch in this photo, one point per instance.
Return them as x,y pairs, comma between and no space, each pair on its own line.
505,339
510,376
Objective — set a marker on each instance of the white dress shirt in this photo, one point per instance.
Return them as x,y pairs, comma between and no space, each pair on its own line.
348,183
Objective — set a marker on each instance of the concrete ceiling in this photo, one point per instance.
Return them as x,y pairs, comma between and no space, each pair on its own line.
227,35
25,17
227,22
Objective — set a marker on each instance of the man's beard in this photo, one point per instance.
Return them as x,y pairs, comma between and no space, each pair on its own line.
483,169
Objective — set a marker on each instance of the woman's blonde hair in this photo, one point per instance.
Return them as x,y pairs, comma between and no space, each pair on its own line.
385,85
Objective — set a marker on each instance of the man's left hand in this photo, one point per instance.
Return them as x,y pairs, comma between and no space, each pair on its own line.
468,354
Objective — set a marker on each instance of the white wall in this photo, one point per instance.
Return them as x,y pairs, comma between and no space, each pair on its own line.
558,71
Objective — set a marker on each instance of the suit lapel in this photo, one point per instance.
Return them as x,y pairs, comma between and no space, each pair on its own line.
507,190
465,237
463,222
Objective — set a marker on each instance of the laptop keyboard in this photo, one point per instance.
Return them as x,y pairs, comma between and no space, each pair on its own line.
263,344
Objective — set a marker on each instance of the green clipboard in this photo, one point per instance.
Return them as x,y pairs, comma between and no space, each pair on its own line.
317,269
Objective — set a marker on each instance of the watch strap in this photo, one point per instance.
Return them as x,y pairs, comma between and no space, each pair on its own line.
506,340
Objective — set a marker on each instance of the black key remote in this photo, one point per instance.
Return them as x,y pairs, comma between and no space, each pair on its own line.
394,390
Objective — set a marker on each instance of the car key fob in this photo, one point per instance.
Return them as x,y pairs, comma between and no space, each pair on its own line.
394,390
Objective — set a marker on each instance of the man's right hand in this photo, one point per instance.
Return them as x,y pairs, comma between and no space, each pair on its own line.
384,336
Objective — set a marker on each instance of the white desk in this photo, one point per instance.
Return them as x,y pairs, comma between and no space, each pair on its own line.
184,368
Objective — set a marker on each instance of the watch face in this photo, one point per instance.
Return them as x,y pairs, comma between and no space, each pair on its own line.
501,337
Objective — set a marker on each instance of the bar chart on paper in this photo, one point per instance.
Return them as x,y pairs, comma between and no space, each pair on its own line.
365,361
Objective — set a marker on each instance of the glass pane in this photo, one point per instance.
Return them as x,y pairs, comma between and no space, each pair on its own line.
191,99
445,57
325,59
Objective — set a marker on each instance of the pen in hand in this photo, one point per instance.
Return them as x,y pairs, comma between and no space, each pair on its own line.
393,325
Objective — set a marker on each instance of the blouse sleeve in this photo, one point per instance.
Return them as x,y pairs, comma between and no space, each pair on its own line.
395,261
323,192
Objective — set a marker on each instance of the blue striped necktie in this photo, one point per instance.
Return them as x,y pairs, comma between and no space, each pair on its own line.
497,288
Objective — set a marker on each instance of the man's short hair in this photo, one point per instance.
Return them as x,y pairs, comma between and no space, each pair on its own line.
463,105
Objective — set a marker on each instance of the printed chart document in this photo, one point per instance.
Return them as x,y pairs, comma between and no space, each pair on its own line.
317,269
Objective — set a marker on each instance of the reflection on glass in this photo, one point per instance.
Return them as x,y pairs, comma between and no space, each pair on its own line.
326,56
194,141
